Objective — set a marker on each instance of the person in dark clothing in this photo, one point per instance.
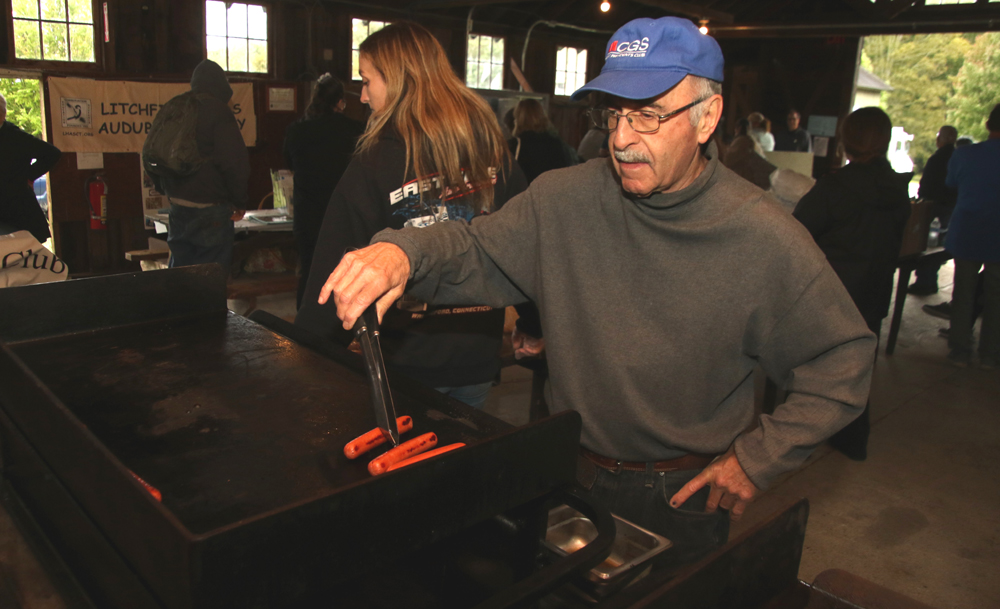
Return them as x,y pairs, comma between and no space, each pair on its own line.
535,147
24,158
204,204
933,188
318,148
857,216
795,139
432,153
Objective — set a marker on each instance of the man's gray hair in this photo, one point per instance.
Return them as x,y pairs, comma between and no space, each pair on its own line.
703,87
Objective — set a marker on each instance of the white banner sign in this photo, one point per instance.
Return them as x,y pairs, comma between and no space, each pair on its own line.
115,116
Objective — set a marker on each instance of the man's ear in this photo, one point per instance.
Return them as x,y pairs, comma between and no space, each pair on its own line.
709,118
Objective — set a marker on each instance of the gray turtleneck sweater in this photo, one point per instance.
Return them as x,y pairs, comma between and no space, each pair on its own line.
657,310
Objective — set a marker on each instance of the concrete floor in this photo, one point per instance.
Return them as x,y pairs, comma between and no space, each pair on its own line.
920,516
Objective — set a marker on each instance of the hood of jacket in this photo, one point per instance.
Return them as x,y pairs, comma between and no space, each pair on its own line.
210,78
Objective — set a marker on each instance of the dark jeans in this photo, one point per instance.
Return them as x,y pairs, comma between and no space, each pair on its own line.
963,308
644,499
927,274
200,236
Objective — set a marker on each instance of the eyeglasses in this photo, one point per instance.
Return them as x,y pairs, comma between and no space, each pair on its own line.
641,121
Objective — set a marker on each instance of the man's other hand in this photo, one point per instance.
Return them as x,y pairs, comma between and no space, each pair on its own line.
526,345
730,488
237,214
378,272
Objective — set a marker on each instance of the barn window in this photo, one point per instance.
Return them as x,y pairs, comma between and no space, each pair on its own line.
484,63
571,69
236,36
53,30
361,29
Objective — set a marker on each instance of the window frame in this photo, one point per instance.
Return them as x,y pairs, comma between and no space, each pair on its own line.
555,75
502,64
269,10
61,65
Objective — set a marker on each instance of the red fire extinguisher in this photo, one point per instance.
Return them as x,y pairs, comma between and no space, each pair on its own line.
97,195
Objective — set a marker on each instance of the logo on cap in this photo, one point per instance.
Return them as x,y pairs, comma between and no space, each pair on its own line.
634,48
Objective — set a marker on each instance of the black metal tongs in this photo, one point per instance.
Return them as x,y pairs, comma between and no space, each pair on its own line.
366,331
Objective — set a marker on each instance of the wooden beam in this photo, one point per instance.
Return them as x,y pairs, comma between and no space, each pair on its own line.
894,8
689,10
435,4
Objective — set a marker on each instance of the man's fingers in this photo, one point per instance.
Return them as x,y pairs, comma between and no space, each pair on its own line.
728,501
715,496
737,510
692,487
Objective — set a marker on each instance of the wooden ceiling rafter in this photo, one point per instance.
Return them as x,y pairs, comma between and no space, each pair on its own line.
689,10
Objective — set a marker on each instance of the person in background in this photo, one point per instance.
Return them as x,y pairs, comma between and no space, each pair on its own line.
648,269
760,131
941,199
795,139
857,216
204,205
745,157
534,145
318,148
23,159
973,240
431,155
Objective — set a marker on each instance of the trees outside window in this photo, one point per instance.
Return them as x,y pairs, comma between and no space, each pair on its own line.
571,70
484,62
53,30
236,36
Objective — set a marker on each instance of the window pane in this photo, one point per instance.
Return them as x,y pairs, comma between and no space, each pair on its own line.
561,59
498,51
237,54
496,82
485,50
570,59
484,76
354,65
26,40
359,31
54,46
472,52
236,18
472,75
215,19
80,11
257,18
560,83
216,47
25,8
581,63
258,56
374,26
53,9
81,42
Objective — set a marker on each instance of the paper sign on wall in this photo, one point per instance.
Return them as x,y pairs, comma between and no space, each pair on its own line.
115,116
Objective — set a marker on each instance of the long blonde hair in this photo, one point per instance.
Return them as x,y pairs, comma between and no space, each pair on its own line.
447,129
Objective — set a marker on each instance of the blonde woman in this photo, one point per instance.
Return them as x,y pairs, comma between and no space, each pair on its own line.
432,152
535,144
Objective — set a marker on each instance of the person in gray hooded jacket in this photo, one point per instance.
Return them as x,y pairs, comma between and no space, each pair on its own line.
204,204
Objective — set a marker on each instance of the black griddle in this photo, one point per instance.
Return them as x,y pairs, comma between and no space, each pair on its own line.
242,430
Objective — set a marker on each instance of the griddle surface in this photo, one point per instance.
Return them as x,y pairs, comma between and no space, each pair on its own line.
227,419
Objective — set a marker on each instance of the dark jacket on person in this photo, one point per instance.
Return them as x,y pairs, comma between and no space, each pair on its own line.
794,141
223,179
857,217
538,152
448,345
932,186
23,159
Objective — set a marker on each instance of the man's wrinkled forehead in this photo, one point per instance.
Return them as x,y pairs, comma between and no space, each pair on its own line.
651,103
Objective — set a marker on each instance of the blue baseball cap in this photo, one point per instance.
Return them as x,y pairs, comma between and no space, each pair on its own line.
647,57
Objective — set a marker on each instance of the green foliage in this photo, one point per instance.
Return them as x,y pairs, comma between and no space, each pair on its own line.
921,70
24,103
977,87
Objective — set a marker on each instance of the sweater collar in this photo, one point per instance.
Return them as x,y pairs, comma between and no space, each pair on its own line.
667,200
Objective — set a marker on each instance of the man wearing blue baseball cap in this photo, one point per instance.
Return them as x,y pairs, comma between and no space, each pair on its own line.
663,280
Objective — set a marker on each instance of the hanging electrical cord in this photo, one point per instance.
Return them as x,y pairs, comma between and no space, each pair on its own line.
552,24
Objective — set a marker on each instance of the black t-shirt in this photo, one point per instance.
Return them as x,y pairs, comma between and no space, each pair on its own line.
441,346
23,158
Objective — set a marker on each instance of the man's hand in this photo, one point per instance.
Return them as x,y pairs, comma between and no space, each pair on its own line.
731,489
237,214
526,345
377,272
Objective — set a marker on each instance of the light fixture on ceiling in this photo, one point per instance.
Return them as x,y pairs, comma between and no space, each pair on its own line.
703,26
605,6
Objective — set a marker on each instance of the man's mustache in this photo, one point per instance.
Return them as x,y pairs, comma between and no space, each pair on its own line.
630,155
